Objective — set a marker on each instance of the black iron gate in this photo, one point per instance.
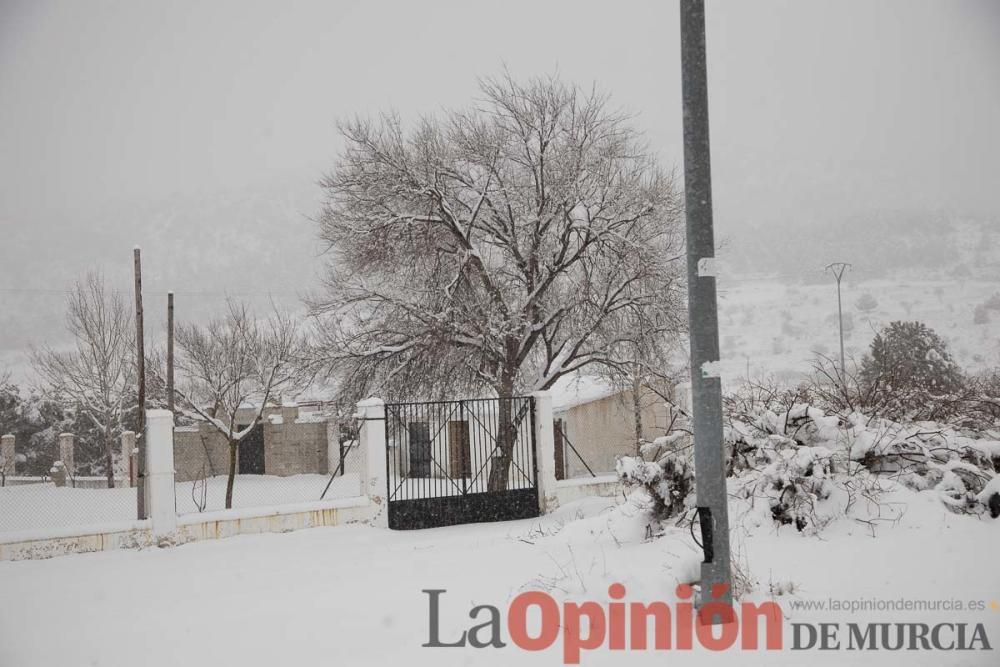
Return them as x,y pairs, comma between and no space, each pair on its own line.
452,462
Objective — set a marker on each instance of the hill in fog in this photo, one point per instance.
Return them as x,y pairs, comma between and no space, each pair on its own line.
879,246
256,245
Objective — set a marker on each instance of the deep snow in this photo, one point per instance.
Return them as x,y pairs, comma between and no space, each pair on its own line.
35,507
352,594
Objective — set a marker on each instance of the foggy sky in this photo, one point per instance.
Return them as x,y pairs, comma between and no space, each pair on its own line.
136,100
818,108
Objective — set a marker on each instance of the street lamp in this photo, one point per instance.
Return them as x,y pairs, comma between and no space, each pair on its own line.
703,315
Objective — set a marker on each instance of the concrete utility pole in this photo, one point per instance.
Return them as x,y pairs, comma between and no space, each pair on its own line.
838,269
141,374
703,316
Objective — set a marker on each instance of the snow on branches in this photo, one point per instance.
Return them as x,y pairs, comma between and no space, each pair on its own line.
499,247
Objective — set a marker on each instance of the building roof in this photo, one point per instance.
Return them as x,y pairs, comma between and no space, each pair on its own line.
573,390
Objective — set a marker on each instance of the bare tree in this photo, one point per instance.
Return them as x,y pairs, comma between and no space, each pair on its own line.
500,247
235,361
644,366
98,375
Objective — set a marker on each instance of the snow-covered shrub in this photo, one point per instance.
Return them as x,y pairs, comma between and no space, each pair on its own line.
778,346
989,497
779,458
866,303
980,315
666,474
833,320
815,452
797,478
960,486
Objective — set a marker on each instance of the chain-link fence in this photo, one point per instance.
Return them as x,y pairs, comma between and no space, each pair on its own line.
47,503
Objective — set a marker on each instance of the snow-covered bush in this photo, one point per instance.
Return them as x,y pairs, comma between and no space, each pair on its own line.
810,466
960,486
665,473
980,315
989,497
779,458
866,303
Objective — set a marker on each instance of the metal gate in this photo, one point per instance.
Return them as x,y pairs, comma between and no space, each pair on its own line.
446,461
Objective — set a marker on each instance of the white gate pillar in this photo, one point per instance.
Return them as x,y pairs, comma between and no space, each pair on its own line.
545,451
371,440
159,479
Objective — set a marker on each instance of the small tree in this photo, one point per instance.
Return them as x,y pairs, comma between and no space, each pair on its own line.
97,377
912,363
232,361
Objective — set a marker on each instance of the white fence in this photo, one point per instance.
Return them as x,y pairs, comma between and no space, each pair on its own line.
80,532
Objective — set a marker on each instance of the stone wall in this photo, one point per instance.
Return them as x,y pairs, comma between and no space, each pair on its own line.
199,451
292,446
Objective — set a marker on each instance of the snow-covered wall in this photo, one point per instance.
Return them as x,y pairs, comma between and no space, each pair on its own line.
569,490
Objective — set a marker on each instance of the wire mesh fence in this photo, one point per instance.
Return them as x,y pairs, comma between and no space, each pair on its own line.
38,504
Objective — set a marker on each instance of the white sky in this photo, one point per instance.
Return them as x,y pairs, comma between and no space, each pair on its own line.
113,100
819,108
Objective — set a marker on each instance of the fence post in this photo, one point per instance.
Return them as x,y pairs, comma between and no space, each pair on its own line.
58,473
125,466
545,451
371,440
8,456
159,479
334,450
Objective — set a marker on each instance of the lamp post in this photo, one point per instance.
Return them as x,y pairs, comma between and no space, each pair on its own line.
703,316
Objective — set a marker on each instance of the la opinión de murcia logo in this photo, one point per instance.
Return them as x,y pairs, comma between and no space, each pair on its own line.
536,621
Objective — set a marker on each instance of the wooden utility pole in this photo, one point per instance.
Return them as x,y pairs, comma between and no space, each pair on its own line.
703,315
837,269
170,351
141,374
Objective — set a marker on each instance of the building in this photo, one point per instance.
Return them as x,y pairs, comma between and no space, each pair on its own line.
595,425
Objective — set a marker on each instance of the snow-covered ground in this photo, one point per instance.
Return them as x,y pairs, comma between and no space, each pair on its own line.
353,594
31,507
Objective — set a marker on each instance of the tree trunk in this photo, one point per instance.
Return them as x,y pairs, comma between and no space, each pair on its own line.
637,414
234,450
505,438
109,458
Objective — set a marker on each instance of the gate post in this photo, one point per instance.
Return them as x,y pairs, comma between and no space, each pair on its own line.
371,440
159,485
545,452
